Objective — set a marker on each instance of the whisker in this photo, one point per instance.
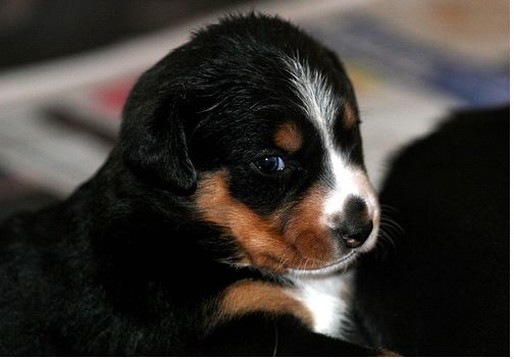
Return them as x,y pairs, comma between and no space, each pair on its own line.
390,232
281,264
392,224
388,208
393,230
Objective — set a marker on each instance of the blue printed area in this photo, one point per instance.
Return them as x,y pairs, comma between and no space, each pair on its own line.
363,40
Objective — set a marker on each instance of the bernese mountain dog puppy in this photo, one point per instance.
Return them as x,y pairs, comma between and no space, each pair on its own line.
225,221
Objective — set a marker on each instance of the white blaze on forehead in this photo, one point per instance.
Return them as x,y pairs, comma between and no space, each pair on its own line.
321,107
317,99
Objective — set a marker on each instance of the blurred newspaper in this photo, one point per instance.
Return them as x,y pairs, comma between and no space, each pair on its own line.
411,62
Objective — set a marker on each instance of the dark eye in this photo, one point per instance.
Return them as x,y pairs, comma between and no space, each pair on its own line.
270,164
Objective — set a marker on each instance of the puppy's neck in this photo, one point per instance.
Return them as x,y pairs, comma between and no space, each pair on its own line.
328,299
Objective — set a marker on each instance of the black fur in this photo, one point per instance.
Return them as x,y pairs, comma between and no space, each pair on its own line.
124,266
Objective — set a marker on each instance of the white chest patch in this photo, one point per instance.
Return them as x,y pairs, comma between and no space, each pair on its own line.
328,299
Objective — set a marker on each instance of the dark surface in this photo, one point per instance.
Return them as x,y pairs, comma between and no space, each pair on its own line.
51,29
444,289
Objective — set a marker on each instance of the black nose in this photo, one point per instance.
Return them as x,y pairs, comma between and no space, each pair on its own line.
354,234
355,225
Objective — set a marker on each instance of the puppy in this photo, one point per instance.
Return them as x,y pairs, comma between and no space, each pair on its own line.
225,220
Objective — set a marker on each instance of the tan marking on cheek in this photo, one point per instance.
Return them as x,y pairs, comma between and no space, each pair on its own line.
305,243
289,137
307,233
349,116
258,237
253,296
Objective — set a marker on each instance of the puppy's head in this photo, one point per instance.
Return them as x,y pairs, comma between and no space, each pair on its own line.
257,125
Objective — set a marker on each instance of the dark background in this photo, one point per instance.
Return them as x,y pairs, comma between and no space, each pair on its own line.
54,28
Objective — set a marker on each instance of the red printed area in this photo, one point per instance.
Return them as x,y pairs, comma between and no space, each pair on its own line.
111,98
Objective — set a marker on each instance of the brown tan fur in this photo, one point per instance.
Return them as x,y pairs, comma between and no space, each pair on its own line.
306,232
350,116
253,296
303,245
288,137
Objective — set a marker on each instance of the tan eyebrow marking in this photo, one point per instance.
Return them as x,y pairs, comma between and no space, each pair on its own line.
289,137
349,115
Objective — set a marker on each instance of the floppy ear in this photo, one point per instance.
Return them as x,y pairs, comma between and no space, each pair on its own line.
152,137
